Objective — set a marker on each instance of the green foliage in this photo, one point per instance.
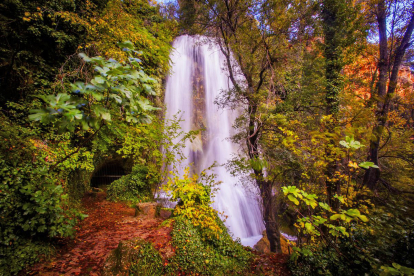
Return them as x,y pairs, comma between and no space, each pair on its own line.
134,187
383,239
323,259
350,143
341,25
193,197
146,261
39,62
196,254
115,84
36,41
388,237
331,236
157,146
202,242
355,248
396,269
315,223
26,252
33,205
135,257
138,21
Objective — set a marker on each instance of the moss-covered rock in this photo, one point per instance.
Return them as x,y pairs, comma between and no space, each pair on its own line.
149,209
134,257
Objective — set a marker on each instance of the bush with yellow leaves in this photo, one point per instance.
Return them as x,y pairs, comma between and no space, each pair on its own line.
193,199
202,243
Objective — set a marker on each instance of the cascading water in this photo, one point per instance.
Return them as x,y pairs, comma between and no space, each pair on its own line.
196,80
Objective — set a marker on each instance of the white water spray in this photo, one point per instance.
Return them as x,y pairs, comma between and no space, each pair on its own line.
196,80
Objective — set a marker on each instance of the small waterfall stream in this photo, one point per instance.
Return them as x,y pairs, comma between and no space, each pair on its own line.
196,80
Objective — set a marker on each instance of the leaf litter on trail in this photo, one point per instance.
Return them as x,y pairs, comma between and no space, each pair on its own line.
107,224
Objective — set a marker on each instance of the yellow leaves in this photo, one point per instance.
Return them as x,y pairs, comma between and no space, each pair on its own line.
195,200
201,215
29,17
352,164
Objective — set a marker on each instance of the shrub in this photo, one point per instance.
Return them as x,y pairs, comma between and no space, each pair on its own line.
383,246
203,244
33,206
134,187
134,257
25,252
193,199
322,259
198,253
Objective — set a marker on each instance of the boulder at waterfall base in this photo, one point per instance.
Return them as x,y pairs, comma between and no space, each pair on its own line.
263,245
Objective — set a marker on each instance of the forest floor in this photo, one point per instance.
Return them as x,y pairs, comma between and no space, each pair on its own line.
107,224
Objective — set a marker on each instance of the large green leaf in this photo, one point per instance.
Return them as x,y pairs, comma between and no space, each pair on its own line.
293,199
367,165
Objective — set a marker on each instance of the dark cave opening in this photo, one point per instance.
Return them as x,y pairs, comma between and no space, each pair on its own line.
107,173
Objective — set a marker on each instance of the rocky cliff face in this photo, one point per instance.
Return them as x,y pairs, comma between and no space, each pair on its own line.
199,111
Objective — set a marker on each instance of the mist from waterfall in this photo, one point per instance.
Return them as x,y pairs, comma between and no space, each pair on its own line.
196,79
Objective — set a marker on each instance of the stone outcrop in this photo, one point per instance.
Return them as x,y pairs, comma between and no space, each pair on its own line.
165,213
150,209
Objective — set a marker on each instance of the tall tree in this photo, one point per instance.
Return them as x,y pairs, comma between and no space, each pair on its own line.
239,37
339,24
389,63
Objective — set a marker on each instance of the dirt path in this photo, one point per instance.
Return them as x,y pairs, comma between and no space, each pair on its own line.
108,223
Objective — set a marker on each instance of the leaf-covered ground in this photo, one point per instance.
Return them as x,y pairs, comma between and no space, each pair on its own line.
106,225
269,264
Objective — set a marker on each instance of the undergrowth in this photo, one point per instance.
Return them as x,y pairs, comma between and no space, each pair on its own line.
202,242
34,207
198,253
135,257
134,187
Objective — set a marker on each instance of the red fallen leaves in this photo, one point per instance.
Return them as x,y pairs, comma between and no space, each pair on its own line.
106,225
270,264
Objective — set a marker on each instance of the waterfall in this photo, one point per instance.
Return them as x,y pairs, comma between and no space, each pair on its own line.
196,80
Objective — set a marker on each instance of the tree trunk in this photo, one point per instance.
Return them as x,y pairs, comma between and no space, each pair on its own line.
269,215
372,175
265,187
333,67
